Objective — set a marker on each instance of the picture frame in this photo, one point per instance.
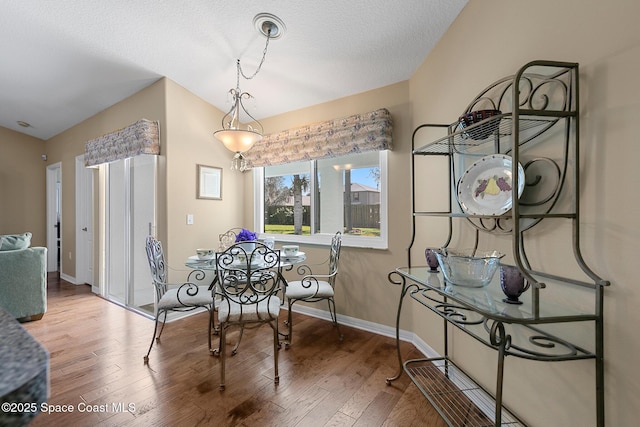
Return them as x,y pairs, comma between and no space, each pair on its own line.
209,183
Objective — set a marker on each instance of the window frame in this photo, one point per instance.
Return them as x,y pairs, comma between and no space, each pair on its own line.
381,242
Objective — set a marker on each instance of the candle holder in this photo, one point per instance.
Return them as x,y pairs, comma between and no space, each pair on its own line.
432,260
513,283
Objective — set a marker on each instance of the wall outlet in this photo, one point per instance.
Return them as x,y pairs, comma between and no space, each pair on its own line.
189,219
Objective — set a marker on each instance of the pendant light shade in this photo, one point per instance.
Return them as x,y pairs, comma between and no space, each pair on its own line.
238,140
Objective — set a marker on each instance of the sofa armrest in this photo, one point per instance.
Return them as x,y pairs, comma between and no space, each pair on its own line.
23,281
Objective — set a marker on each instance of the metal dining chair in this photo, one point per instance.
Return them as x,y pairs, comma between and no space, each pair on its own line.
174,297
316,287
248,283
228,238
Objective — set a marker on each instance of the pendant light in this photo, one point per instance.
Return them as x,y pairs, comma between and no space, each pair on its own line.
236,136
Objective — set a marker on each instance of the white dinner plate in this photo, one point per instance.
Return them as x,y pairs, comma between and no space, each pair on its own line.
196,258
486,186
254,264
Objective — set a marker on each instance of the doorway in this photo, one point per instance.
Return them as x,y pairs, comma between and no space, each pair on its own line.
54,218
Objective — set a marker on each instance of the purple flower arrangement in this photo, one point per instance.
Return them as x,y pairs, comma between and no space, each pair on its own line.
246,236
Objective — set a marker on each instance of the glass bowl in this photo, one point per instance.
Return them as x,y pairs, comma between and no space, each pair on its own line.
467,267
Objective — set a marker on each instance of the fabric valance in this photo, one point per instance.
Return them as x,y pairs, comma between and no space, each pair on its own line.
142,137
349,135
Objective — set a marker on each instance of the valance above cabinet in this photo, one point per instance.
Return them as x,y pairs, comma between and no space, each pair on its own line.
142,137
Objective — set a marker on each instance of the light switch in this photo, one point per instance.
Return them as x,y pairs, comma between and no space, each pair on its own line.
189,219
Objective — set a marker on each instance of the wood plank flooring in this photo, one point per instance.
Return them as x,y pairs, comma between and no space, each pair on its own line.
97,371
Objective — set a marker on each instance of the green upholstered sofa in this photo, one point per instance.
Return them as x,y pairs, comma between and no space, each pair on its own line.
23,277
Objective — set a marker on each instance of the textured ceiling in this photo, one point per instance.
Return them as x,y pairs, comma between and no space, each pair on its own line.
66,60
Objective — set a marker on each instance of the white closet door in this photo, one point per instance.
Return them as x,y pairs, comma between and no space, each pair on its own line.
131,199
143,202
117,224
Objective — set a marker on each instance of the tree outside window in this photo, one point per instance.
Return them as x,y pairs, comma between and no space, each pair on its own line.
325,196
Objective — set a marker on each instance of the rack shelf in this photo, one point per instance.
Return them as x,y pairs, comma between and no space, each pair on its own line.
457,397
540,132
460,142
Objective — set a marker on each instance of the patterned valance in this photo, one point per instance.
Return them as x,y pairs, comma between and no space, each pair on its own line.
355,134
142,137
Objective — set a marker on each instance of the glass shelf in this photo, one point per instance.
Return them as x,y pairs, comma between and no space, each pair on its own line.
560,301
477,311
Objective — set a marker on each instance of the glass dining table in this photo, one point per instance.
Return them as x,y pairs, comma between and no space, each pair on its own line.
206,264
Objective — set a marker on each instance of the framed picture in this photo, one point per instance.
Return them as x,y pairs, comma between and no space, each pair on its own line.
209,184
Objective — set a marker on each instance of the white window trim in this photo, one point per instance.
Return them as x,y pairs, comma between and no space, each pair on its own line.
381,242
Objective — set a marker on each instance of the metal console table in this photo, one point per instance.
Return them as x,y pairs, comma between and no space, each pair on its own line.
539,131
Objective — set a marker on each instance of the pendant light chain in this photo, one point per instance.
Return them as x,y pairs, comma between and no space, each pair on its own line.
264,55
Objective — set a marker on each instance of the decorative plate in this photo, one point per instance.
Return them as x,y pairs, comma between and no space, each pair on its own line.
485,188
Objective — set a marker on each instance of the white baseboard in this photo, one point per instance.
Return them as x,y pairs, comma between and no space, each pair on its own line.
69,278
376,328
73,280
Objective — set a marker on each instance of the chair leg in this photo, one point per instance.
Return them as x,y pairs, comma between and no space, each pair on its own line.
218,332
164,321
276,346
214,310
290,324
235,349
222,352
155,330
334,317
211,326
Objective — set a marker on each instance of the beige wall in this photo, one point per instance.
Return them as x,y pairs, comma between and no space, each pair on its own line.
186,127
491,39
189,131
149,103
22,191
364,292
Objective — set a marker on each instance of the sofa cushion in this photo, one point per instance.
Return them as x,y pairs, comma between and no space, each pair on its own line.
12,242
23,283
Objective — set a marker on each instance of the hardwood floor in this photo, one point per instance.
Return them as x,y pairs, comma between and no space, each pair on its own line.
97,370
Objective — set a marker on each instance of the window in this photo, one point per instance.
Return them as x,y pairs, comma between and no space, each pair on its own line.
307,202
